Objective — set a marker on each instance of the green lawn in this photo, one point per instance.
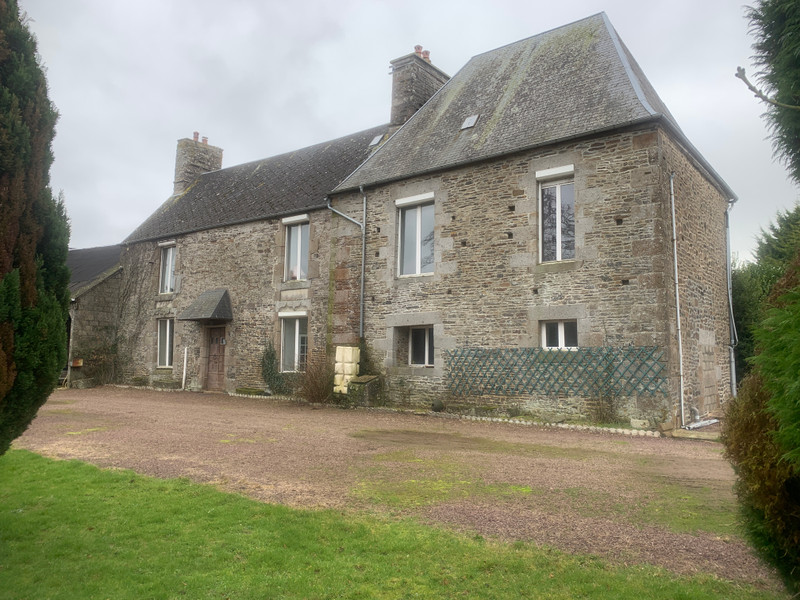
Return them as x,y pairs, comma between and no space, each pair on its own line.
70,530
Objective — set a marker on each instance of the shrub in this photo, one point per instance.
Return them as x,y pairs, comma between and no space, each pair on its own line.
271,373
768,486
316,384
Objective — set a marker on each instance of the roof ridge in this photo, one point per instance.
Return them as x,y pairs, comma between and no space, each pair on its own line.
536,35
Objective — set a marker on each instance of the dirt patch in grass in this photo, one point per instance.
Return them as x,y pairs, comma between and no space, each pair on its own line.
664,502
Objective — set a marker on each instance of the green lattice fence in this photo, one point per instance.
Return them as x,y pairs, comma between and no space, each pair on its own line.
623,371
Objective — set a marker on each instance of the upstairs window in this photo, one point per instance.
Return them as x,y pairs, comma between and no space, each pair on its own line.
296,267
556,214
558,221
415,250
560,334
166,284
294,344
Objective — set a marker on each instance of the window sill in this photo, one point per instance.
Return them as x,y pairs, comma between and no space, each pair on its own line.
412,278
296,284
564,349
560,266
418,371
165,297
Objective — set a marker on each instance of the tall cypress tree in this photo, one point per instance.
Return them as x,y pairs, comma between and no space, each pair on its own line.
775,25
34,234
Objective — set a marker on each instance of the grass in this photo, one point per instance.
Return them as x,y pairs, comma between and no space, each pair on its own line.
418,482
679,506
70,530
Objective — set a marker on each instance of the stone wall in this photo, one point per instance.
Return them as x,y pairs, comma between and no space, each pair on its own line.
702,276
248,261
489,290
94,315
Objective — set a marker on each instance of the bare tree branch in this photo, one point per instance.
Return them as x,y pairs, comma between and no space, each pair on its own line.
759,94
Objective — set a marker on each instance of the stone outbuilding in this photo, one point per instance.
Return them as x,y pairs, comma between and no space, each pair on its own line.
94,311
535,235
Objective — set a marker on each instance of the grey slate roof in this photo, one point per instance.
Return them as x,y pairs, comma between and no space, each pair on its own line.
289,183
89,264
565,83
211,305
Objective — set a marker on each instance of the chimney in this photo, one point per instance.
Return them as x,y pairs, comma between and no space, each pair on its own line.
192,159
414,81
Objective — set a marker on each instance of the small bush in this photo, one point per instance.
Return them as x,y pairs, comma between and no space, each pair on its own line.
271,372
316,384
603,409
768,486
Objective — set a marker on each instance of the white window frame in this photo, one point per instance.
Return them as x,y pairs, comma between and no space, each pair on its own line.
561,336
429,345
168,353
300,342
416,203
555,177
295,227
166,275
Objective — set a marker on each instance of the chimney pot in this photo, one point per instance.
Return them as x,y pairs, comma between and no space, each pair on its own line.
418,50
426,55
205,140
196,135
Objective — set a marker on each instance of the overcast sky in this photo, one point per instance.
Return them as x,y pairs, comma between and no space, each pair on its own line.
262,77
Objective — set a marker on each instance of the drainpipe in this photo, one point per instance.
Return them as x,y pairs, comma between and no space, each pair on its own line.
677,292
363,252
734,336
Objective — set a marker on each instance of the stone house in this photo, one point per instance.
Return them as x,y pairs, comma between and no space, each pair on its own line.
534,234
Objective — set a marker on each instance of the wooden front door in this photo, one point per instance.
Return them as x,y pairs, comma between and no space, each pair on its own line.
216,358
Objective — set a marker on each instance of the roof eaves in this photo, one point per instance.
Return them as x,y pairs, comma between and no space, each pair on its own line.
270,217
693,152
488,157
96,281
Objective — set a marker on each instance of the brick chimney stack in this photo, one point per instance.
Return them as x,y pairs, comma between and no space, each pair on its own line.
414,81
193,158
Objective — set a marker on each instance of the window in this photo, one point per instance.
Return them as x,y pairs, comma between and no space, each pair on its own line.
416,239
166,283
294,344
296,252
559,334
420,346
166,340
557,221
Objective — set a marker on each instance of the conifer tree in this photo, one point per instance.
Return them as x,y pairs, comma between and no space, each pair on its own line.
34,234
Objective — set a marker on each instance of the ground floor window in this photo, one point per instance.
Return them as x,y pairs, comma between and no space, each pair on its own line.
559,334
166,342
294,344
420,346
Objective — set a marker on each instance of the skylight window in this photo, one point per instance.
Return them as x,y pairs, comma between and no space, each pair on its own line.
469,122
376,140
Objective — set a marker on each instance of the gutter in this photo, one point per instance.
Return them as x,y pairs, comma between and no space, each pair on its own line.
362,226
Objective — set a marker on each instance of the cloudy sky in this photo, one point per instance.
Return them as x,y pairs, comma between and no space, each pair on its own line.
261,77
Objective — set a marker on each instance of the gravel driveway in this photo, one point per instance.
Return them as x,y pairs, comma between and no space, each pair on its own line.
578,491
